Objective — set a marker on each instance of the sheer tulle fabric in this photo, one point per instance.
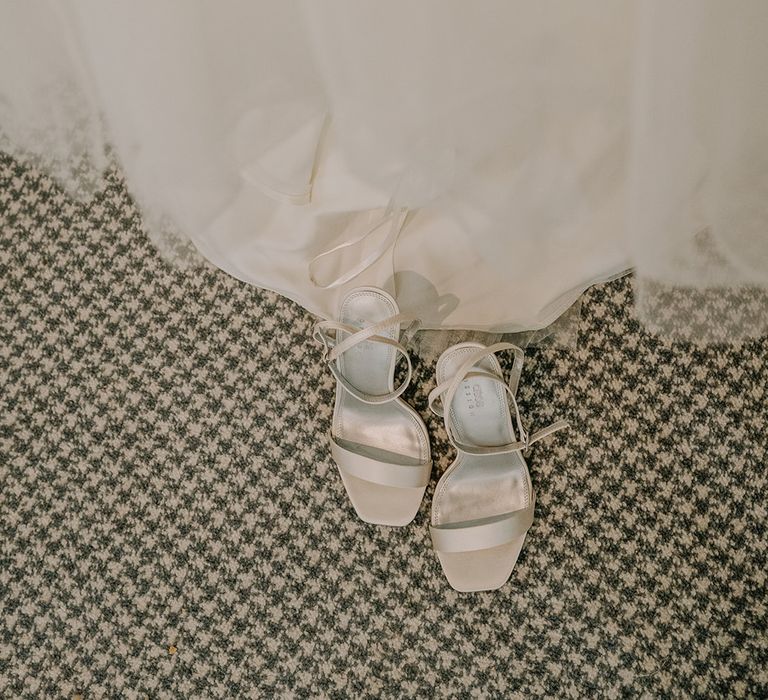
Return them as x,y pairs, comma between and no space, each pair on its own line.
488,160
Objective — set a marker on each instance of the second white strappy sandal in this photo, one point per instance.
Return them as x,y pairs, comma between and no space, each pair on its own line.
378,442
484,502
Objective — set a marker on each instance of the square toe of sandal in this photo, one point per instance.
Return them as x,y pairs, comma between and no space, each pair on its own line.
382,505
482,570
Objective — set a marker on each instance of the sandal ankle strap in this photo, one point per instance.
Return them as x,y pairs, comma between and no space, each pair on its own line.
467,370
334,349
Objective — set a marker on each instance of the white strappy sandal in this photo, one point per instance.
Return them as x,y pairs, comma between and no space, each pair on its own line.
484,503
379,443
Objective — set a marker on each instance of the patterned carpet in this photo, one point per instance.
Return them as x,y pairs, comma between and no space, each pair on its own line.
172,525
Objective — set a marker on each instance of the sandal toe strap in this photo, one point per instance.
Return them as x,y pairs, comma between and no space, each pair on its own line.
485,533
384,473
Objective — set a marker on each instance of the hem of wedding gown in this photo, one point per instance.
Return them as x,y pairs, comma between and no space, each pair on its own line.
549,314
555,309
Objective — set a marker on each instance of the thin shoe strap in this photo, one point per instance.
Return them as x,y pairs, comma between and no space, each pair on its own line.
468,366
333,350
545,432
393,215
360,335
447,390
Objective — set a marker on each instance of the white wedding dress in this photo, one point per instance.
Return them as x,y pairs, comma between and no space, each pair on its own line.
486,161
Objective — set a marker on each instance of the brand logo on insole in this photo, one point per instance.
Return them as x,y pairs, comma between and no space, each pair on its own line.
366,345
473,393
